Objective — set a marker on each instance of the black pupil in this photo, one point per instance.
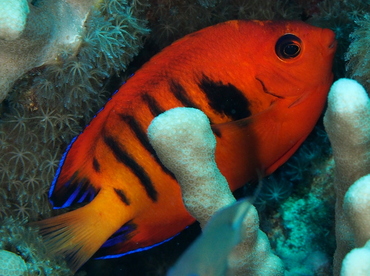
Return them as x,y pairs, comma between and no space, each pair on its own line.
288,46
291,49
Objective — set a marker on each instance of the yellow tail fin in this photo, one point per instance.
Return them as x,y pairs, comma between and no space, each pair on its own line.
80,233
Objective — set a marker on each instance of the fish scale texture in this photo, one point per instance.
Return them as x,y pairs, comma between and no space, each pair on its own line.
13,18
11,264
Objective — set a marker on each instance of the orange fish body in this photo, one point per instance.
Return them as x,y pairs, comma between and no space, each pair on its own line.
262,84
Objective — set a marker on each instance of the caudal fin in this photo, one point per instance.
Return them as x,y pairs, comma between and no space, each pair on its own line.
65,235
78,234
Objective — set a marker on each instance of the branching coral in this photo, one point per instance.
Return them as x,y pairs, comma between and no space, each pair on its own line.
201,258
184,141
50,26
13,18
11,264
186,149
347,122
109,43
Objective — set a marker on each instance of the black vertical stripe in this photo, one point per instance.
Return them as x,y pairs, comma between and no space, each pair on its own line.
180,93
225,98
139,132
143,139
96,165
153,105
124,158
121,194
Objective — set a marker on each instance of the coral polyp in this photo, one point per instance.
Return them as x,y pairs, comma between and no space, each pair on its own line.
274,191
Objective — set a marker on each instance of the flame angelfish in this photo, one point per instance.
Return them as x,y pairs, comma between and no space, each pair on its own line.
262,84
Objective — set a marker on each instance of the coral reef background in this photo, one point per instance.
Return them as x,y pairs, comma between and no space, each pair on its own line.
50,104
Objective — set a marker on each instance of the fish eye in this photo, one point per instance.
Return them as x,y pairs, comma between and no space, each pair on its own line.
288,46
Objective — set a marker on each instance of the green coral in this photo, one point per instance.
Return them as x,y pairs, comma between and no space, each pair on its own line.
24,241
342,17
170,20
113,37
358,55
50,105
44,111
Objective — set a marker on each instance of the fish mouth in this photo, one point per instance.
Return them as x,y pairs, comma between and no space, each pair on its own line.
333,45
329,41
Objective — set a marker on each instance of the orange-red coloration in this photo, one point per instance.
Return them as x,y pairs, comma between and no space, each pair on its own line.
263,96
